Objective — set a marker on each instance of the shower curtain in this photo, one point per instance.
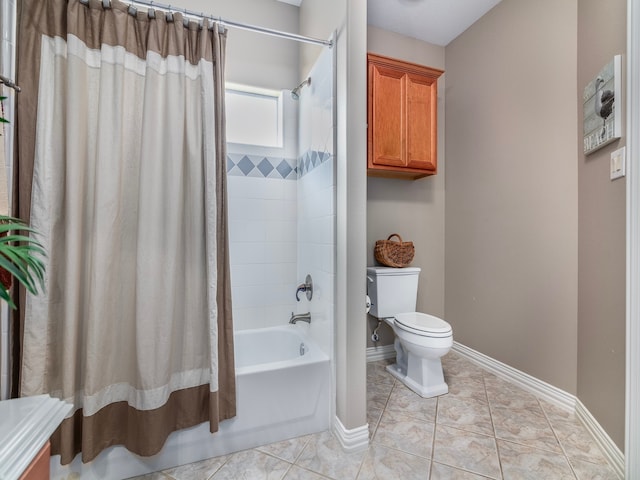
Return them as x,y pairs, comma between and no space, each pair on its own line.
120,165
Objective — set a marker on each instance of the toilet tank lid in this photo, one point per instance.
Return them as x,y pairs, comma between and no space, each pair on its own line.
392,271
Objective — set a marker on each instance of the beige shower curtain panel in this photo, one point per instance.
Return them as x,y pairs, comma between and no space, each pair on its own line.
121,168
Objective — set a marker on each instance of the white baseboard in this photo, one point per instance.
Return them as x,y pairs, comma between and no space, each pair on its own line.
354,440
540,389
553,395
380,353
610,450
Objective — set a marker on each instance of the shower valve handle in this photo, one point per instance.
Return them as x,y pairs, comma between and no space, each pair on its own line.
306,287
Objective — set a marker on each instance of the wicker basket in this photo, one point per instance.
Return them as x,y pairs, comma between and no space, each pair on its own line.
394,253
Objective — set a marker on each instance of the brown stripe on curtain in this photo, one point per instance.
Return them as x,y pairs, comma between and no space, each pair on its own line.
141,431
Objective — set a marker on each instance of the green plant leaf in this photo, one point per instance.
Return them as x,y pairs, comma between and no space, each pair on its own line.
4,295
21,255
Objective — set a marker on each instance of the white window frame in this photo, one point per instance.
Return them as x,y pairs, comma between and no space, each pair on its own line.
249,91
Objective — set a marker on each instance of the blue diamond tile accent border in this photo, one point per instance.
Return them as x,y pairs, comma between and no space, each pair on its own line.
241,165
230,163
310,160
275,167
284,169
245,165
265,167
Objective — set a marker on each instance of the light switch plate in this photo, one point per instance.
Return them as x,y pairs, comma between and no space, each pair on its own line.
618,163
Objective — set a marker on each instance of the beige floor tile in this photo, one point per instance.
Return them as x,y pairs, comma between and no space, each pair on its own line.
378,394
405,433
407,402
198,470
520,462
501,393
297,473
377,373
445,472
592,471
466,450
374,415
554,413
454,364
287,450
470,388
323,454
252,465
388,464
577,442
526,426
153,476
464,413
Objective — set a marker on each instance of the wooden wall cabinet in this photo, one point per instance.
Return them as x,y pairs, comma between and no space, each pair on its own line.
402,118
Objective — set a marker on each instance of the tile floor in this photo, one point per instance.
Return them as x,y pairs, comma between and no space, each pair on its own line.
484,428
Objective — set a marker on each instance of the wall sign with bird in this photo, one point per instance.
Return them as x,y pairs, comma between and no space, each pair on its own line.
602,120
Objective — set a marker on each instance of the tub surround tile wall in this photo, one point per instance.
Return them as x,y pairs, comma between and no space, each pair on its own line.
316,199
262,237
282,216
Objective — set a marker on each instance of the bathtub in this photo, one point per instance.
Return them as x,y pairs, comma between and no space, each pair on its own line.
283,388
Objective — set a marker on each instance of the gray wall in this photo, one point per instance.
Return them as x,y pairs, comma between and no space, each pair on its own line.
511,233
254,58
414,209
601,267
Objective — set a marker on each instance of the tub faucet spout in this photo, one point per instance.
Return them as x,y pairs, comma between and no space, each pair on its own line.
305,317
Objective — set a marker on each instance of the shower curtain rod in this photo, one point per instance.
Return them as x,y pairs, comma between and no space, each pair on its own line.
231,23
9,83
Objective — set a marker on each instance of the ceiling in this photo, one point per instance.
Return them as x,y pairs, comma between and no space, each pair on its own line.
433,21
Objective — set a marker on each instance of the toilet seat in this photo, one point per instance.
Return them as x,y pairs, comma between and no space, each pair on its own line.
423,325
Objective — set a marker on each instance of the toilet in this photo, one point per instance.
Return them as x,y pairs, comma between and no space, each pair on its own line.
421,339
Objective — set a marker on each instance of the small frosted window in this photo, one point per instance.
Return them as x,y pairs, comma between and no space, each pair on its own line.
254,116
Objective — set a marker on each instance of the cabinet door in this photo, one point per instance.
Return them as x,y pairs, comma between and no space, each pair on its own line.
421,135
387,116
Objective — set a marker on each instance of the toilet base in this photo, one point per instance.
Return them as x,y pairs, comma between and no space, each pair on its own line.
426,369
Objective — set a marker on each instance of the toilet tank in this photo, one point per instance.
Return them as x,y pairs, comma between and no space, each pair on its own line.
392,290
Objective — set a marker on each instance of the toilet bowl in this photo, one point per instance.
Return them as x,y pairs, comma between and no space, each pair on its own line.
420,339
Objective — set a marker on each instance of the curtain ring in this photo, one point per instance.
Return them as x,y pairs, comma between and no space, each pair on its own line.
106,4
151,13
169,15
185,19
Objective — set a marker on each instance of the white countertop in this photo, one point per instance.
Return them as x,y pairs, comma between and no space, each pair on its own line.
25,427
